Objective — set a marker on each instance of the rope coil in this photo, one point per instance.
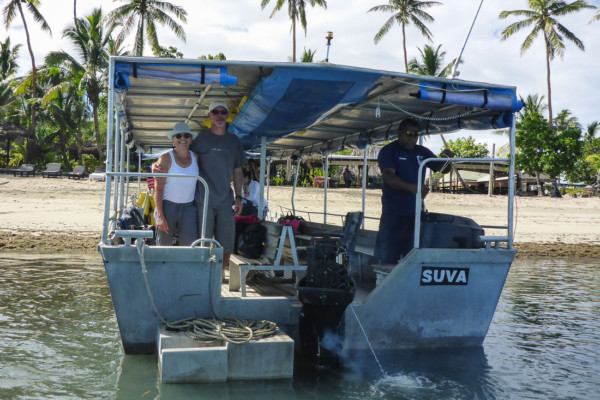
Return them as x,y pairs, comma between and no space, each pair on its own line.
232,330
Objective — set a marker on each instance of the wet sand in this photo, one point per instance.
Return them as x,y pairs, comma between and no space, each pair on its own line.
53,215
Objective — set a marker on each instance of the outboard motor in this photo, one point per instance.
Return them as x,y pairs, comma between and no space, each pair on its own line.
325,292
445,231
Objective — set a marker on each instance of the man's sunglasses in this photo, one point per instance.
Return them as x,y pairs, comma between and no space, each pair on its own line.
216,112
180,135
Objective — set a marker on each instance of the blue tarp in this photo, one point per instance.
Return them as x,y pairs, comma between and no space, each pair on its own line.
491,99
292,99
181,73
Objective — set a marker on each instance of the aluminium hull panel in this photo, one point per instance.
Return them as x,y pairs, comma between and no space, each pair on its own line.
404,312
183,282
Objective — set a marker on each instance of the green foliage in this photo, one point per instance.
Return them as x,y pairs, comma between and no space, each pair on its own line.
308,55
276,181
542,149
219,56
168,52
467,148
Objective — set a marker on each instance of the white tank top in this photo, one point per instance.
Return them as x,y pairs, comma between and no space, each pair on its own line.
181,190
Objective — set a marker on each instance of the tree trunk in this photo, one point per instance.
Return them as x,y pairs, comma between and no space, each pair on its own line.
97,131
31,148
293,40
539,185
548,83
404,48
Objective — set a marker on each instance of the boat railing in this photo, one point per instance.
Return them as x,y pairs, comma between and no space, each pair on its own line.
485,239
118,194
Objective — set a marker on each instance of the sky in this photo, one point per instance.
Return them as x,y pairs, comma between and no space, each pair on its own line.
242,31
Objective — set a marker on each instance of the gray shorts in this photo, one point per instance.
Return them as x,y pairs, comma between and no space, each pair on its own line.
220,225
181,218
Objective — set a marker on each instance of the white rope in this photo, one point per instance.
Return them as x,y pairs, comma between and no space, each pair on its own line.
232,330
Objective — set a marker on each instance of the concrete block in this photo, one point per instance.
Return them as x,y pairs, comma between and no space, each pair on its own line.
182,359
193,365
269,358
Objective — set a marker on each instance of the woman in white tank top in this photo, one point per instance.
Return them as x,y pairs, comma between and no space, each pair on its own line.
174,197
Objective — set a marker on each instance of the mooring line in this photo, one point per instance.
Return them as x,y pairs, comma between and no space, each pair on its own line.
368,342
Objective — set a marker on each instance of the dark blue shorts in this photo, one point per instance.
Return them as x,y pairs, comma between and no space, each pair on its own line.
395,237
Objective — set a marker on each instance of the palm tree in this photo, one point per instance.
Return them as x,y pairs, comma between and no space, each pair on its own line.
91,43
9,13
308,56
404,12
8,59
532,104
296,12
590,132
431,62
566,120
596,17
142,16
542,16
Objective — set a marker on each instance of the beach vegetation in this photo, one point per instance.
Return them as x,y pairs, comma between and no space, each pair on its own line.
142,17
543,149
431,62
9,14
542,18
296,12
467,148
404,13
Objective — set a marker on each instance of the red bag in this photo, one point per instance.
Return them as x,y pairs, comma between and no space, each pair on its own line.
293,221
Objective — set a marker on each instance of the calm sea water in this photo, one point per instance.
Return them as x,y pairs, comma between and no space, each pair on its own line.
59,340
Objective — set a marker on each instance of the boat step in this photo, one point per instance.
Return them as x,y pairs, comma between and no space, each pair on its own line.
182,359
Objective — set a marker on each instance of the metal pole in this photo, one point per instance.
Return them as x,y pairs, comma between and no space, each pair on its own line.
452,74
268,176
117,133
263,164
491,180
109,154
295,182
139,170
364,184
325,185
122,150
511,184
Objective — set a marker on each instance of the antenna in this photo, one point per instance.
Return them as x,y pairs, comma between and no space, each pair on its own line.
454,71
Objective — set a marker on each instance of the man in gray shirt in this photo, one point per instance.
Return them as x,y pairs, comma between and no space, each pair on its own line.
220,156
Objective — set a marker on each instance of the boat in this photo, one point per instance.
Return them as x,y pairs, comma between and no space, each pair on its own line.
442,294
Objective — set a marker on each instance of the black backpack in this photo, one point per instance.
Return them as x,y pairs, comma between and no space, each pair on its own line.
131,219
250,240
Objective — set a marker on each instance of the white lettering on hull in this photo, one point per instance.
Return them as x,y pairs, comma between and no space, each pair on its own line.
431,276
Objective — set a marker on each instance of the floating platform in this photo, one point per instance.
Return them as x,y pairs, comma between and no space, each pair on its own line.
181,359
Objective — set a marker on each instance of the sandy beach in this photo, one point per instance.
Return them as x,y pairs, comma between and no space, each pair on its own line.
63,215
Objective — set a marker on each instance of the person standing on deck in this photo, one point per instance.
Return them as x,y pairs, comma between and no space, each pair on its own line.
221,156
174,197
399,163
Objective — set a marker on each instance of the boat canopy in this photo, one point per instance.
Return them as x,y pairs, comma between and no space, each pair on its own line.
300,109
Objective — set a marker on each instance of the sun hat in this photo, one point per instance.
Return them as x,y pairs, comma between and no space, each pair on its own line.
181,127
216,104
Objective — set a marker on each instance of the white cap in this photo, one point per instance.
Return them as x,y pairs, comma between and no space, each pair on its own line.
181,127
216,104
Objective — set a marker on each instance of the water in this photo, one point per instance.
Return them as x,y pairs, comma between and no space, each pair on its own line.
59,340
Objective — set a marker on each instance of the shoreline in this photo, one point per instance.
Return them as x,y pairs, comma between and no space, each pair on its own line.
59,215
71,243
